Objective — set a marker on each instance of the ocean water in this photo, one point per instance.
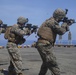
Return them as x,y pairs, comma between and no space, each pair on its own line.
66,42
29,42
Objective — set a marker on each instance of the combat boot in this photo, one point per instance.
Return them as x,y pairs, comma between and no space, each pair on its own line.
11,73
20,74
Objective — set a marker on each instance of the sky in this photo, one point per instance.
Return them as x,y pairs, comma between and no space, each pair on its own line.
37,11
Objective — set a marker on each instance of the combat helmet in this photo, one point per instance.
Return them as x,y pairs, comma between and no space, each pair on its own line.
22,20
1,22
59,14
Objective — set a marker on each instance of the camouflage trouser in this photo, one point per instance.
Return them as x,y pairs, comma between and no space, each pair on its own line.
15,58
49,60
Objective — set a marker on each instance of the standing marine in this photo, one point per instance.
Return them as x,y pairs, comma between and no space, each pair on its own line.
1,22
47,36
2,27
15,36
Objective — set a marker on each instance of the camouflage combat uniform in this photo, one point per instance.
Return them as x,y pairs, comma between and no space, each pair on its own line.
14,39
47,35
2,29
0,26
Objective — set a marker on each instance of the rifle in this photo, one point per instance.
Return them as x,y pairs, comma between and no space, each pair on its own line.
68,21
3,26
32,27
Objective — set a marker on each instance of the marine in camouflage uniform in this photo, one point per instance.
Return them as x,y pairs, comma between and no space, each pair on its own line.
2,29
1,22
47,35
17,32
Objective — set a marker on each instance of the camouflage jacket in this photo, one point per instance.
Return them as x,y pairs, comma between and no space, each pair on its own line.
50,28
21,31
17,34
54,25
